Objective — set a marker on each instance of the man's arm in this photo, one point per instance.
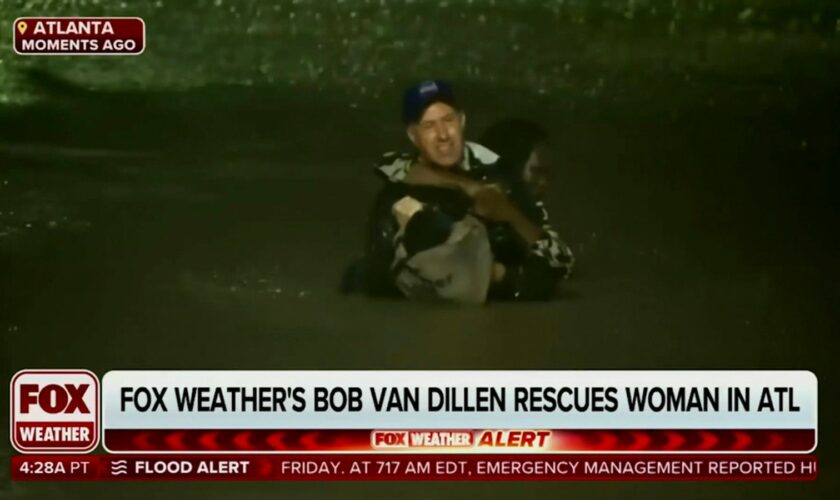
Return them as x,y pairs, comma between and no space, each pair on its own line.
379,247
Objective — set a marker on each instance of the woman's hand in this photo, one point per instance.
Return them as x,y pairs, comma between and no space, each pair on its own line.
493,205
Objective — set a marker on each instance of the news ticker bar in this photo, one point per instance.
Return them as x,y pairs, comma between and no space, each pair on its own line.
461,441
359,467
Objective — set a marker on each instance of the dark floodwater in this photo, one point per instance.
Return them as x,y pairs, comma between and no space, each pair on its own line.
208,228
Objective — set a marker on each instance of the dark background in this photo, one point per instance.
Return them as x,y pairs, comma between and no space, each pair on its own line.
194,207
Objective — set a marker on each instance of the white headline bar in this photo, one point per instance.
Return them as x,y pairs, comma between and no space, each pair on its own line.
459,400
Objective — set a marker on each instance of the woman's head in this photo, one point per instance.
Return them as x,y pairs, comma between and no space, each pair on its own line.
521,145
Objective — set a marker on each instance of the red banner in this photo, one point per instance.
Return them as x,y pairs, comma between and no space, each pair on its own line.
497,441
414,467
79,35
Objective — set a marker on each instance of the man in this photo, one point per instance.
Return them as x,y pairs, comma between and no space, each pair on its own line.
450,187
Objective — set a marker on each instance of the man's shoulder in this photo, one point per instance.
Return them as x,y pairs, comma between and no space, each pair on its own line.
481,156
393,166
482,163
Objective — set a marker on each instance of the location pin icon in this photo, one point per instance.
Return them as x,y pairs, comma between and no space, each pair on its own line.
21,26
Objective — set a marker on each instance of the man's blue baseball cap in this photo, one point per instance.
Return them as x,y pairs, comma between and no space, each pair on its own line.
423,95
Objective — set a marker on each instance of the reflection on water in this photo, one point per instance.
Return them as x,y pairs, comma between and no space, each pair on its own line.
27,213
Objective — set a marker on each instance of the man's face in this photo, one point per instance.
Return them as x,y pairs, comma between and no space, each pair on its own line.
439,135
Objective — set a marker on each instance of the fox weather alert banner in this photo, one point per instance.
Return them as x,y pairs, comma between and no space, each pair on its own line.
387,425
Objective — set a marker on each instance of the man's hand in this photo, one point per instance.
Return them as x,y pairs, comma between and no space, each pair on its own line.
499,271
404,209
